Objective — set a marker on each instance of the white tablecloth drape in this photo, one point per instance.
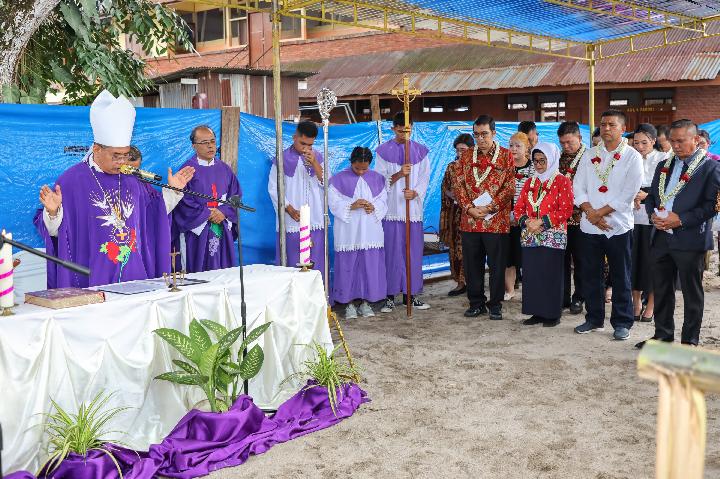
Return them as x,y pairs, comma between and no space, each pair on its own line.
71,354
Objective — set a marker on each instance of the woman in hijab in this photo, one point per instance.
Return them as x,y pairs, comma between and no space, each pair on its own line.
542,210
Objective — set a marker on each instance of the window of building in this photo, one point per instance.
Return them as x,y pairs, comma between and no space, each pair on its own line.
552,107
333,21
210,25
657,97
238,27
521,102
625,98
433,105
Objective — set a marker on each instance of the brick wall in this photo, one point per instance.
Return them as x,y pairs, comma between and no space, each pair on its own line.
699,104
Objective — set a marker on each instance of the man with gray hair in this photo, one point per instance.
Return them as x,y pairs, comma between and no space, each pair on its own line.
206,230
681,206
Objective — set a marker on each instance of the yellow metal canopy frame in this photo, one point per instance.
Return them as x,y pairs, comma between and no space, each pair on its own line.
398,16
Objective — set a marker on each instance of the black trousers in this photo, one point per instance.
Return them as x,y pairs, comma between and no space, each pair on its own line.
573,267
477,248
668,264
618,250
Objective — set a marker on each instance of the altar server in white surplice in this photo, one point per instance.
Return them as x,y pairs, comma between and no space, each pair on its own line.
358,201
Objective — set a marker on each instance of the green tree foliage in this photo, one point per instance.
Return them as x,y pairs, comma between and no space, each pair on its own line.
77,49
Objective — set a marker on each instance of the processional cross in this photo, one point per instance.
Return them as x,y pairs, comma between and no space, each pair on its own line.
407,95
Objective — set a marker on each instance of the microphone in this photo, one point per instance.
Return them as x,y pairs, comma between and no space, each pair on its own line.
131,170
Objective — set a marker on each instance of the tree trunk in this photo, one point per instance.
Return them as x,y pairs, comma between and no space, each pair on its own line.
19,19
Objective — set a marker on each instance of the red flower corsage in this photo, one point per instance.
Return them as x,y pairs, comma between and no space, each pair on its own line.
596,160
570,171
603,189
685,177
519,176
662,208
616,156
665,170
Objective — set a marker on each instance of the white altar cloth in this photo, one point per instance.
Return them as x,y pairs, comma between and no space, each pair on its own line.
71,354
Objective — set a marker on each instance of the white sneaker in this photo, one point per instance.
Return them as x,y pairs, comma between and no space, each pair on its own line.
508,296
365,310
388,307
351,312
419,305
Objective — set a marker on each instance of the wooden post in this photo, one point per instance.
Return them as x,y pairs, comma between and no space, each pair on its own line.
230,136
684,374
375,107
407,95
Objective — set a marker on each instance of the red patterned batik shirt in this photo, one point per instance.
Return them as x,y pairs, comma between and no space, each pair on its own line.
474,177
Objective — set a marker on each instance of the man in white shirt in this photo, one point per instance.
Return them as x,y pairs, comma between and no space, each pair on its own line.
608,178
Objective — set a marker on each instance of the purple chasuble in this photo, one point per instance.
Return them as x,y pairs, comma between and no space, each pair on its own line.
346,182
214,247
291,158
120,234
394,152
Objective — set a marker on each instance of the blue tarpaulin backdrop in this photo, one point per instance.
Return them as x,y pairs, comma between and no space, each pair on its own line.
39,142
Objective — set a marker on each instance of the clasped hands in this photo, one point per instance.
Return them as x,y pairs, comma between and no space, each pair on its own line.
672,221
363,204
479,212
534,226
596,218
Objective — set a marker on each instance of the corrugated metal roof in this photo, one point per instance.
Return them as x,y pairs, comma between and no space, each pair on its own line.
476,67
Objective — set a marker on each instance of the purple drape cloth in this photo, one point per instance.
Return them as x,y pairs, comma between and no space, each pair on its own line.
203,442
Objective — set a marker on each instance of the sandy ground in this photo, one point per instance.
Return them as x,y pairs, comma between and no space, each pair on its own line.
456,397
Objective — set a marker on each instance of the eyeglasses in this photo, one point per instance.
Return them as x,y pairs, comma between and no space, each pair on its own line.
482,134
539,162
205,142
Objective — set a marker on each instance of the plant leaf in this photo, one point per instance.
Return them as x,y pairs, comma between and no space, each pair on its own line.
199,335
187,367
217,329
228,340
179,341
181,377
254,334
230,368
252,363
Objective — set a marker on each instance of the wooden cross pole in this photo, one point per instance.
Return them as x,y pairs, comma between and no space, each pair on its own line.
407,95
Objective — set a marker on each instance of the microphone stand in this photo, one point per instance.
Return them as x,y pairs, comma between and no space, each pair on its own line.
235,202
66,264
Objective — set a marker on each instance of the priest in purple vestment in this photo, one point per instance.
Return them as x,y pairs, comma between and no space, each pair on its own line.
303,167
390,163
207,229
358,201
102,219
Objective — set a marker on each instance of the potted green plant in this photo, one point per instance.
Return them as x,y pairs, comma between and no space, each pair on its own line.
324,371
79,441
212,366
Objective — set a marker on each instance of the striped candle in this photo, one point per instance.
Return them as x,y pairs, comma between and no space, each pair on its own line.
305,234
6,274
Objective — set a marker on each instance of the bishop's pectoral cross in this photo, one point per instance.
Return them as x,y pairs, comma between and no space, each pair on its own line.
407,95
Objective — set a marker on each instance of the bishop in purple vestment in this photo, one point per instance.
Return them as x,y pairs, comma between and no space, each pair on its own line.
101,219
209,228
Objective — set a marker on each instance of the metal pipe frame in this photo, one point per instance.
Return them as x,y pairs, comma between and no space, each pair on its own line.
636,13
277,103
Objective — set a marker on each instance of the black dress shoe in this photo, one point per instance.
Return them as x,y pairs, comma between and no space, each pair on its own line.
641,344
636,318
473,312
576,307
457,291
496,314
533,320
551,323
644,319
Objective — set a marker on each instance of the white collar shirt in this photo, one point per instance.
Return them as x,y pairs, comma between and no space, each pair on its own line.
623,184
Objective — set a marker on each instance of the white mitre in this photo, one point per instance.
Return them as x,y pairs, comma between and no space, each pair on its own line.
112,120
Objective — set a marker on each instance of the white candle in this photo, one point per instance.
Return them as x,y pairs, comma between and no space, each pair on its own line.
305,234
6,272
